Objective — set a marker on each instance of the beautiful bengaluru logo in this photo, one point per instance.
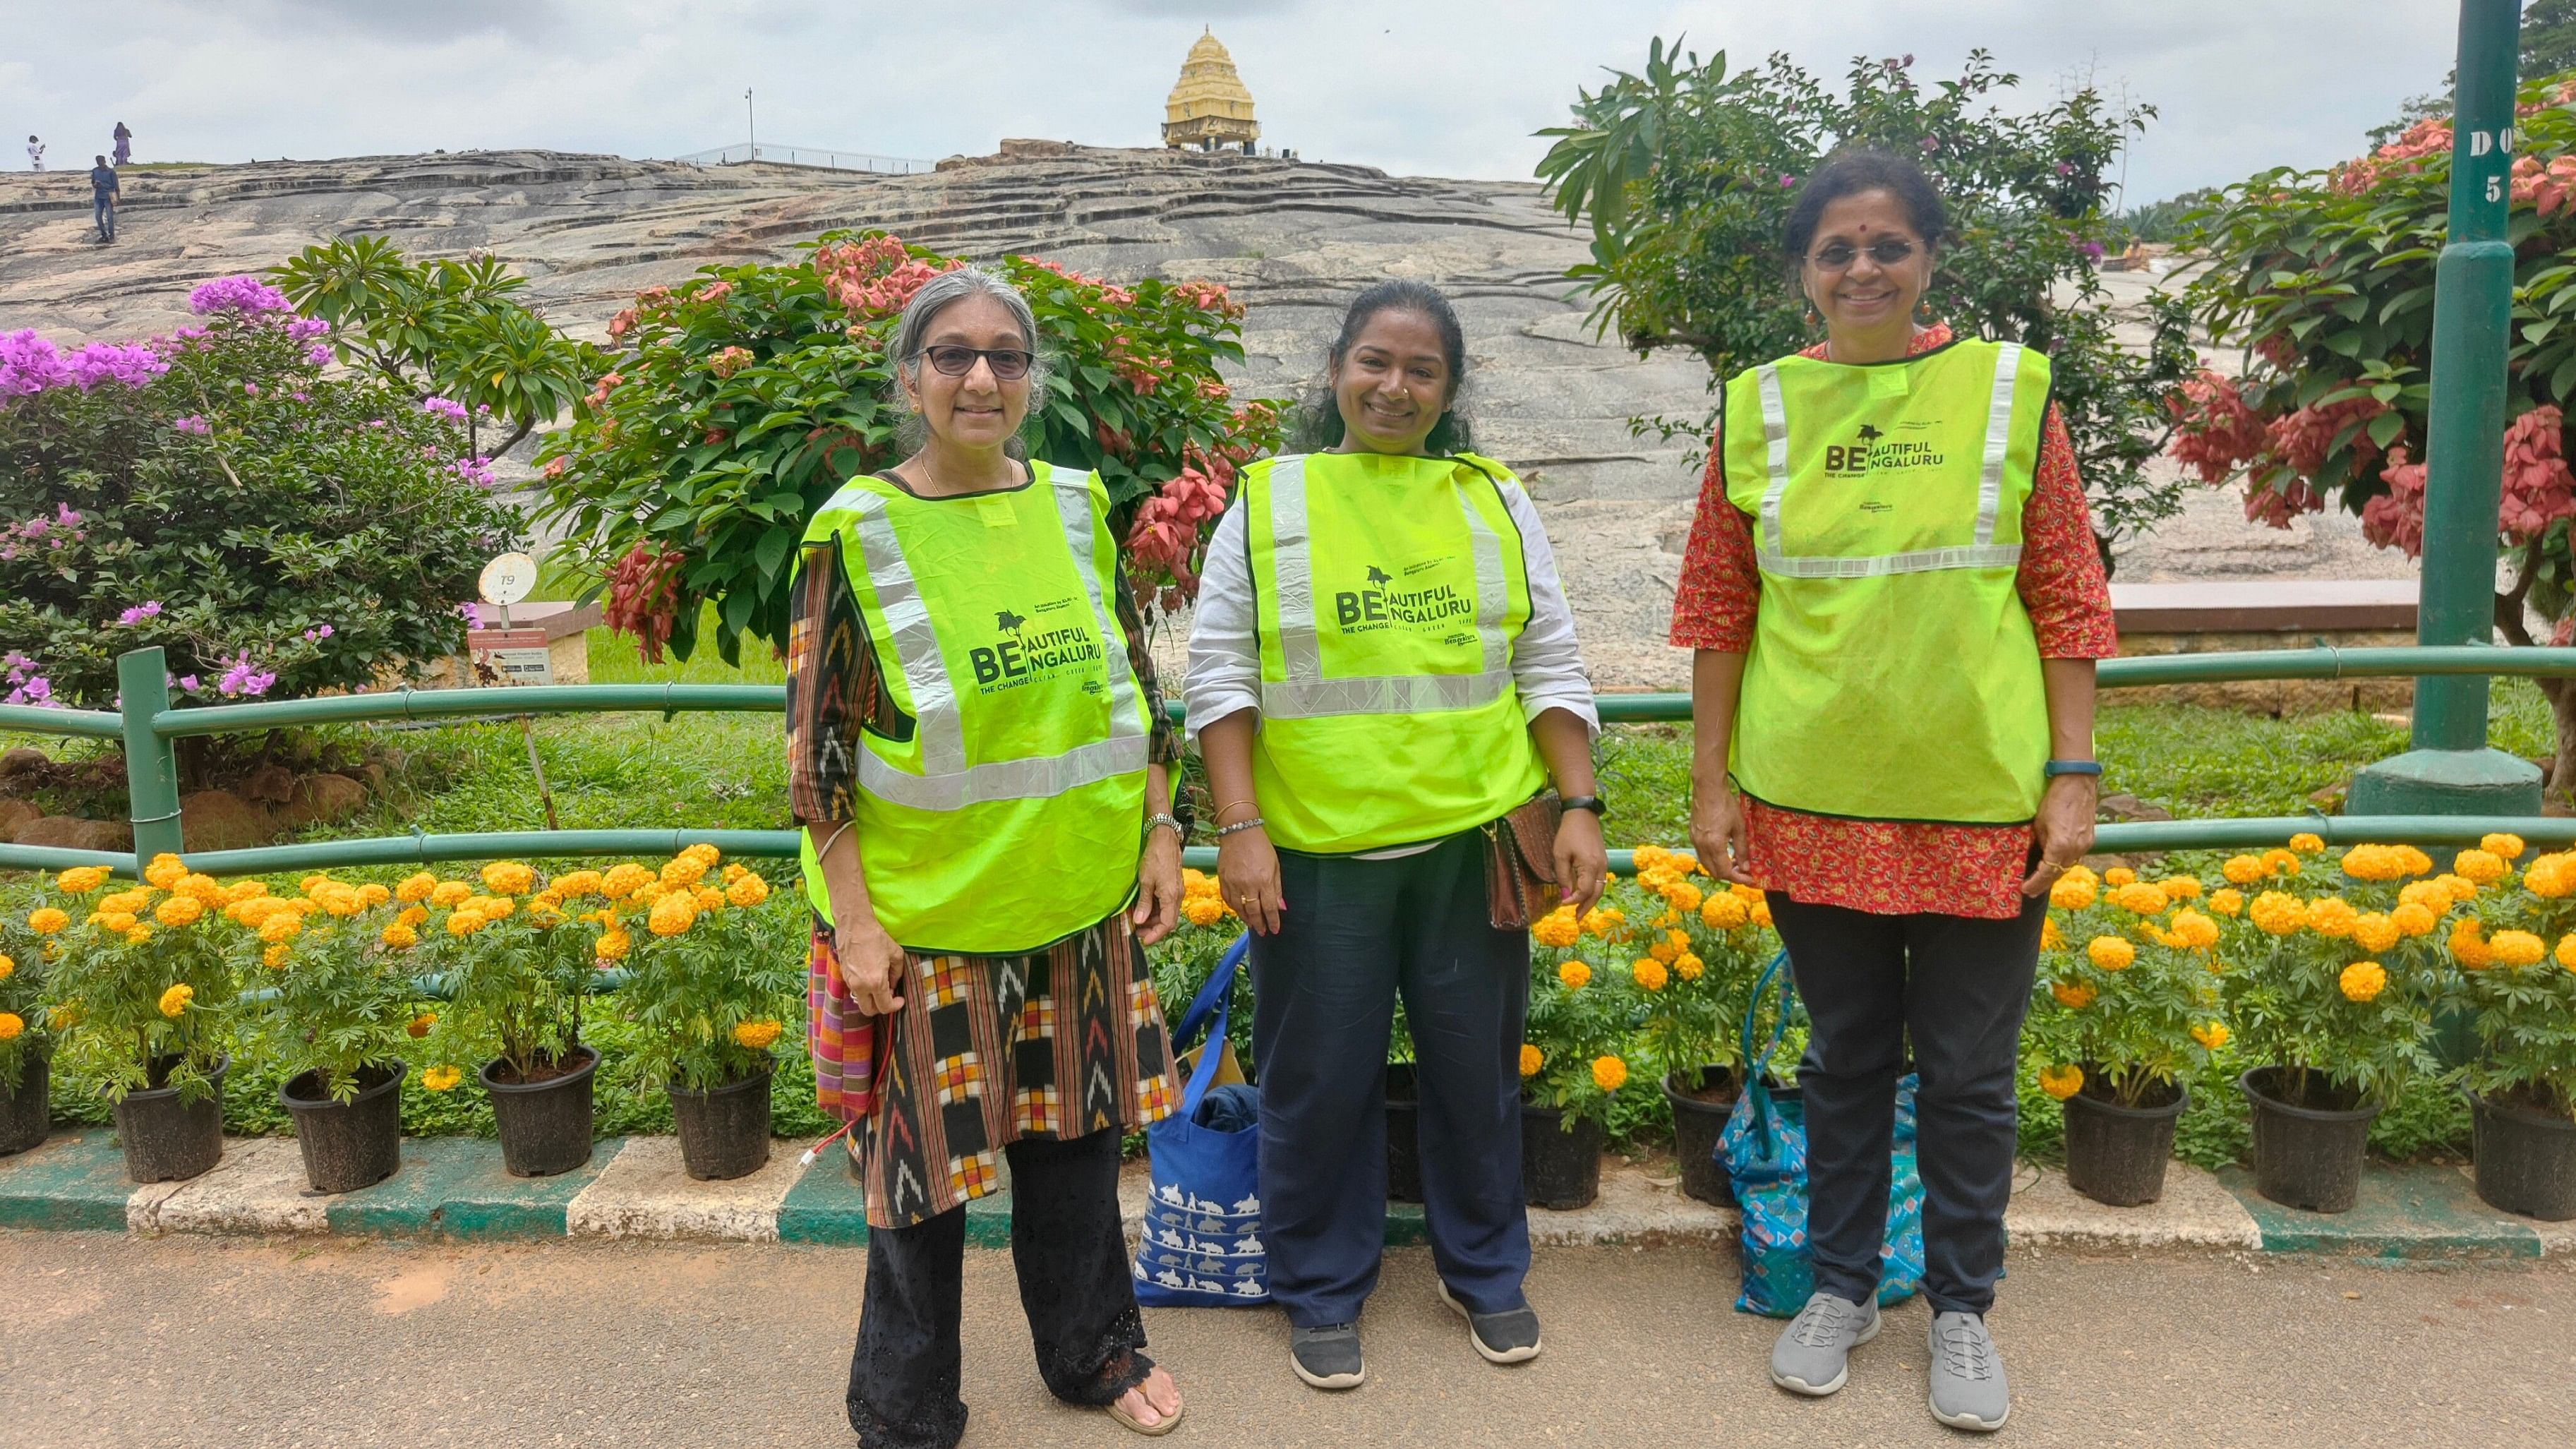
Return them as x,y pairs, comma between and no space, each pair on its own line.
1868,454
1382,604
1021,654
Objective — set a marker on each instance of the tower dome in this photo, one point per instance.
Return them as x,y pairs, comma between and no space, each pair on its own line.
1209,107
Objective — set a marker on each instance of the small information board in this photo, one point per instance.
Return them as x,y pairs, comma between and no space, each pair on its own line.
517,656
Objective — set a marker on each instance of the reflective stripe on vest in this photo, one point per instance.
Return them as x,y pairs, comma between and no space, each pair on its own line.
1306,693
1983,553
947,782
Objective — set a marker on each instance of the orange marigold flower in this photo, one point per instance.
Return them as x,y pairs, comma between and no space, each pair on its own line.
2227,902
683,870
2071,894
2331,916
2306,843
165,870
2485,867
2468,947
449,892
756,1035
1604,921
1724,913
1531,1060
274,958
2195,931
372,894
2566,952
2244,869
705,854
622,879
47,920
2362,980
1203,910
2374,932
1648,973
1557,929
10,1025
462,924
1663,951
2061,1081
2180,887
179,911
176,999
415,887
612,947
2502,843
2277,861
2072,994
419,1025
1689,967
413,916
2051,938
2517,948
80,880
508,878
1575,975
399,936
573,885
672,915
2119,875
441,1078
747,890
1609,1073
2110,953
2210,1034
2413,919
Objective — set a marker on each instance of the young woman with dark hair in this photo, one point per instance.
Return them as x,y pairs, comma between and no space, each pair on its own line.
1896,604
1382,666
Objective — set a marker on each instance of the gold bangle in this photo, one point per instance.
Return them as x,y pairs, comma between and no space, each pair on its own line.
1221,809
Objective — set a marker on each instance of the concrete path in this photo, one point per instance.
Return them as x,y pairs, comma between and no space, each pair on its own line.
110,1340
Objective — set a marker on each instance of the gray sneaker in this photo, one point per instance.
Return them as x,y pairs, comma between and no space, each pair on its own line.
1327,1357
1811,1356
1968,1389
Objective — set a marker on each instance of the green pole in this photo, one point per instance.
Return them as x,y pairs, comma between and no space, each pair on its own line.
2449,770
151,764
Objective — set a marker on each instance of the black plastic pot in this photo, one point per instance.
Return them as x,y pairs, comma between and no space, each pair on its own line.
2526,1159
1560,1169
1403,1135
2115,1154
544,1126
352,1144
724,1131
1697,1121
2306,1155
165,1139
26,1105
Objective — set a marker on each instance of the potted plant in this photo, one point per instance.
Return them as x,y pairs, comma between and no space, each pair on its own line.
2331,995
2126,1006
338,1005
2522,1082
516,978
145,980
26,1049
1571,1067
706,982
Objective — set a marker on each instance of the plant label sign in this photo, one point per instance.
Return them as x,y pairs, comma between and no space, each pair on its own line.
510,656
508,579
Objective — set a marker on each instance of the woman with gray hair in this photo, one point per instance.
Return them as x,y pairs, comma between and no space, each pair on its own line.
979,757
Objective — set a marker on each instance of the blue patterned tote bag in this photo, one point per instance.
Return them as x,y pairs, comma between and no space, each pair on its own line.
1764,1149
1201,1244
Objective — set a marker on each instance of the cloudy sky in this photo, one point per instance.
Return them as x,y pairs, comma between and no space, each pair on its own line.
1435,87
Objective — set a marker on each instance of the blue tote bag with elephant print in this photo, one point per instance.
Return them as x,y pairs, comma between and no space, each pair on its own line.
1201,1242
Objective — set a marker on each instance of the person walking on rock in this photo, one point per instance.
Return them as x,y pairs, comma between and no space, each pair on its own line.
1896,603
981,763
102,199
124,144
35,154
1382,669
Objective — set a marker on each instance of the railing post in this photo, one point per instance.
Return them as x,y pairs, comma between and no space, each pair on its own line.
151,764
2449,770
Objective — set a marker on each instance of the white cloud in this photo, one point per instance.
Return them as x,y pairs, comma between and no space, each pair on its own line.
1427,87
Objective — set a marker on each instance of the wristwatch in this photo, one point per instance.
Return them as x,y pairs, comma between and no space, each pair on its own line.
1584,802
2055,768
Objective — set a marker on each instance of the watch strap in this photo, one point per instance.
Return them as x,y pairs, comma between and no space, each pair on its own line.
1584,802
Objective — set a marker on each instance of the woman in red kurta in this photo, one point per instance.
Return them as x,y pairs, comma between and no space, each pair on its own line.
1904,937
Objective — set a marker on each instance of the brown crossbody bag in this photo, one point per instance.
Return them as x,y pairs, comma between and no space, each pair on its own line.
1520,863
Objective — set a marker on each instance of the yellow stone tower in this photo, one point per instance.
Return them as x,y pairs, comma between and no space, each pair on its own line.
1209,107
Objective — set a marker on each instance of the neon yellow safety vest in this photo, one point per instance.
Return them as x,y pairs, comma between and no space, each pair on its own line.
1894,674
1389,592
1012,814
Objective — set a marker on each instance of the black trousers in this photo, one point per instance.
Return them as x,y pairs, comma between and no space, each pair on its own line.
1071,1256
1957,989
1357,934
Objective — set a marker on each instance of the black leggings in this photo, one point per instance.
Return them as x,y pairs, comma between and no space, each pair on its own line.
1071,1255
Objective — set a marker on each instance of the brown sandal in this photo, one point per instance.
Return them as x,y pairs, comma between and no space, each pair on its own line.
1151,1431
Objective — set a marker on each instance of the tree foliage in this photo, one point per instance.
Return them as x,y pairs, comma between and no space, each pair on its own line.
1687,171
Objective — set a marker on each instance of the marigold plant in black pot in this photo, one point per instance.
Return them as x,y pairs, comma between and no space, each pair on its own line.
1704,949
707,983
339,1007
1570,1069
26,1052
2522,1079
2125,1006
145,980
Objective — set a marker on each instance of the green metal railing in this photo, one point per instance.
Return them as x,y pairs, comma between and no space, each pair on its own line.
148,726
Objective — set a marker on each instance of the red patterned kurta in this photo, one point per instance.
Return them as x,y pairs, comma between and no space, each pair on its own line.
1875,866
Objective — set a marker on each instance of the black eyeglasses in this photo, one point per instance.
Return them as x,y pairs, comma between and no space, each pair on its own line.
1009,364
1842,254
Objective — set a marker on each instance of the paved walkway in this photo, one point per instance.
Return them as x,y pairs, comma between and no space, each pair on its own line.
111,1340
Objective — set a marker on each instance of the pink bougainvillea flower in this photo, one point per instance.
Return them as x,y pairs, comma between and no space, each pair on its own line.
243,296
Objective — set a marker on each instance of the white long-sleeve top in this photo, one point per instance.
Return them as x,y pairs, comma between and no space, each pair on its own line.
1225,660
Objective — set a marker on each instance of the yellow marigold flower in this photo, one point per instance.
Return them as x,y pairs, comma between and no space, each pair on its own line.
137,934
413,916
274,958
2362,980
312,885
1557,929
747,890
2141,898
683,871
2227,902
1648,973
1604,921
2566,952
2070,894
2482,866
1202,911
1689,967
1609,1073
449,892
1648,857
2119,875
10,1025
733,872
341,900
2180,887
647,893
119,921
2412,919
1662,952
415,887
2462,889
573,885
703,853
440,1079
2502,843
499,908
756,1035
372,894
179,911
2517,948
2210,1034
708,898
283,926
1531,1060
508,878
2468,947
8,968
2110,953
80,880
622,879
1723,913
1669,918
2194,931
2430,894
165,870
2061,1082
2331,916
2051,938
2374,932
2243,869
1762,914
244,890
1683,896
1575,975
2072,994
176,999
2277,861
2308,844
47,920
462,924
2416,861
673,914
420,1025
400,936
126,902
612,947
2372,862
